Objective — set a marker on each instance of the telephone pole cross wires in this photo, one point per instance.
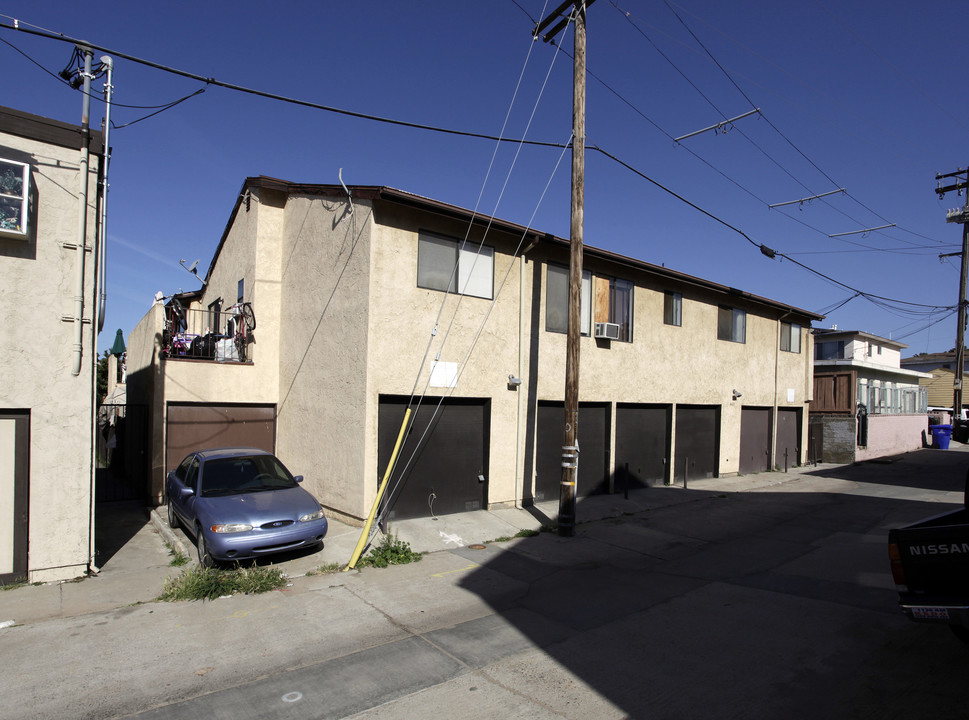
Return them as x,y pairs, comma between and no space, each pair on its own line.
570,434
961,216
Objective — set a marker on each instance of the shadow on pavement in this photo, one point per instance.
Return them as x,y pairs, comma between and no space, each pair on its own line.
776,603
115,524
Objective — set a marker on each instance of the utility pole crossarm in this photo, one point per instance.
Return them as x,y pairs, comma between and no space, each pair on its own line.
959,217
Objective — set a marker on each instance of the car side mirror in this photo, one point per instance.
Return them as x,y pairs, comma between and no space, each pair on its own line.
298,478
187,491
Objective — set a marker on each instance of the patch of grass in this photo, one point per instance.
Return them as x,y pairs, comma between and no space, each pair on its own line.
523,533
390,551
199,583
14,585
178,558
326,569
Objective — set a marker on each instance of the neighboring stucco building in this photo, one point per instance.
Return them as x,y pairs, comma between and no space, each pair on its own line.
865,405
48,270
679,376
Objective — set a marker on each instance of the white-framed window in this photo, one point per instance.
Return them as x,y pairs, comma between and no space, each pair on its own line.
442,264
557,300
673,308
732,324
14,195
790,337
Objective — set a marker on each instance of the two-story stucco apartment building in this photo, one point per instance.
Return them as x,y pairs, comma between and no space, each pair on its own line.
367,301
49,196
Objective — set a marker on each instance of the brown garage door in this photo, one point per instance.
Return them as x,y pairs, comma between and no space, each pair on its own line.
199,426
788,437
755,434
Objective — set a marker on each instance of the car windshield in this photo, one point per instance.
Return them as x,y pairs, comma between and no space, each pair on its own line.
248,474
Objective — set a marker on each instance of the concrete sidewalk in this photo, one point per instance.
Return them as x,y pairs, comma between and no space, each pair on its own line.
139,544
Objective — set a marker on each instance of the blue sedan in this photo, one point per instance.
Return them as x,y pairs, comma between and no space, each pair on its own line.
242,503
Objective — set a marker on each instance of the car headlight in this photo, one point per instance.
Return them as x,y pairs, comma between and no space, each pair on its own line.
312,516
231,528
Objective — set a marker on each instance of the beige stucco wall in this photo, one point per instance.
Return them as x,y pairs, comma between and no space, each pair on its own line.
483,340
324,349
341,322
37,280
684,365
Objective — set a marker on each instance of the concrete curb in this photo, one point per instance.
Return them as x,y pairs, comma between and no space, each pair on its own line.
168,535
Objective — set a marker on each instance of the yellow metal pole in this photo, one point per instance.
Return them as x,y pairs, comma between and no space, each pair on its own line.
365,535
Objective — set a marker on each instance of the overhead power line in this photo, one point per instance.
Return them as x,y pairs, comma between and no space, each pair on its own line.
210,81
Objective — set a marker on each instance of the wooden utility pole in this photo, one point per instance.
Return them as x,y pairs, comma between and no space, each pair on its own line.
570,434
959,216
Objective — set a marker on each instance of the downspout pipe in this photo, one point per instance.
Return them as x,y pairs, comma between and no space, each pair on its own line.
82,214
108,64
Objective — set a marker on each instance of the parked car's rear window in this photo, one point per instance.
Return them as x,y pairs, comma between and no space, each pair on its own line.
256,473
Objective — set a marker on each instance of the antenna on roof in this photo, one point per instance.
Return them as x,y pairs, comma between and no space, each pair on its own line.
347,191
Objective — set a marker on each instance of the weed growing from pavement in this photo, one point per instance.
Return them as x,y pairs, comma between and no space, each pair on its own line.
390,551
199,583
523,533
325,569
178,558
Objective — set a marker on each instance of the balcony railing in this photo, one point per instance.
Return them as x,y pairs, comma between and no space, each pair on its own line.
223,336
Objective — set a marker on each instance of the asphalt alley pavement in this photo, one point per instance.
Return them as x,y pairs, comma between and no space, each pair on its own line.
758,596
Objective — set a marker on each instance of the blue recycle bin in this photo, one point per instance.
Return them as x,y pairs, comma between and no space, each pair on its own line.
941,434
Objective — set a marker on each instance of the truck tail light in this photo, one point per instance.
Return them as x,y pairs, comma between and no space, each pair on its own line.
898,572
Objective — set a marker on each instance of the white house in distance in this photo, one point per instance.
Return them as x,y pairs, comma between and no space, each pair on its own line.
865,404
48,306
366,301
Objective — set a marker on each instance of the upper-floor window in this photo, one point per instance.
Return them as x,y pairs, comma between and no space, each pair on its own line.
14,183
557,300
673,308
240,295
443,264
830,350
732,324
614,304
790,337
607,300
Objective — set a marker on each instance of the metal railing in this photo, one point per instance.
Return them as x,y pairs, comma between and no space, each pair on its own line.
223,335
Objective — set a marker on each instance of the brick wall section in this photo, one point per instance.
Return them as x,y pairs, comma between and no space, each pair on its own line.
839,435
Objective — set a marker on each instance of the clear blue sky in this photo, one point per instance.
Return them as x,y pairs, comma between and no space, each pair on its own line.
864,95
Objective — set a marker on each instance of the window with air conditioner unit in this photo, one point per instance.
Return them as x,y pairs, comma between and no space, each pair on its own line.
14,198
607,305
607,331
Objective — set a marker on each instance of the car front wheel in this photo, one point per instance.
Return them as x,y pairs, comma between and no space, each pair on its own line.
205,558
172,517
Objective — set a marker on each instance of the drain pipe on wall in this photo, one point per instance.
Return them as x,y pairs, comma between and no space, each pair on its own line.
108,64
82,214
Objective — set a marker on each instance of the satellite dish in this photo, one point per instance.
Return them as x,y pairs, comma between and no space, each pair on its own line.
190,268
